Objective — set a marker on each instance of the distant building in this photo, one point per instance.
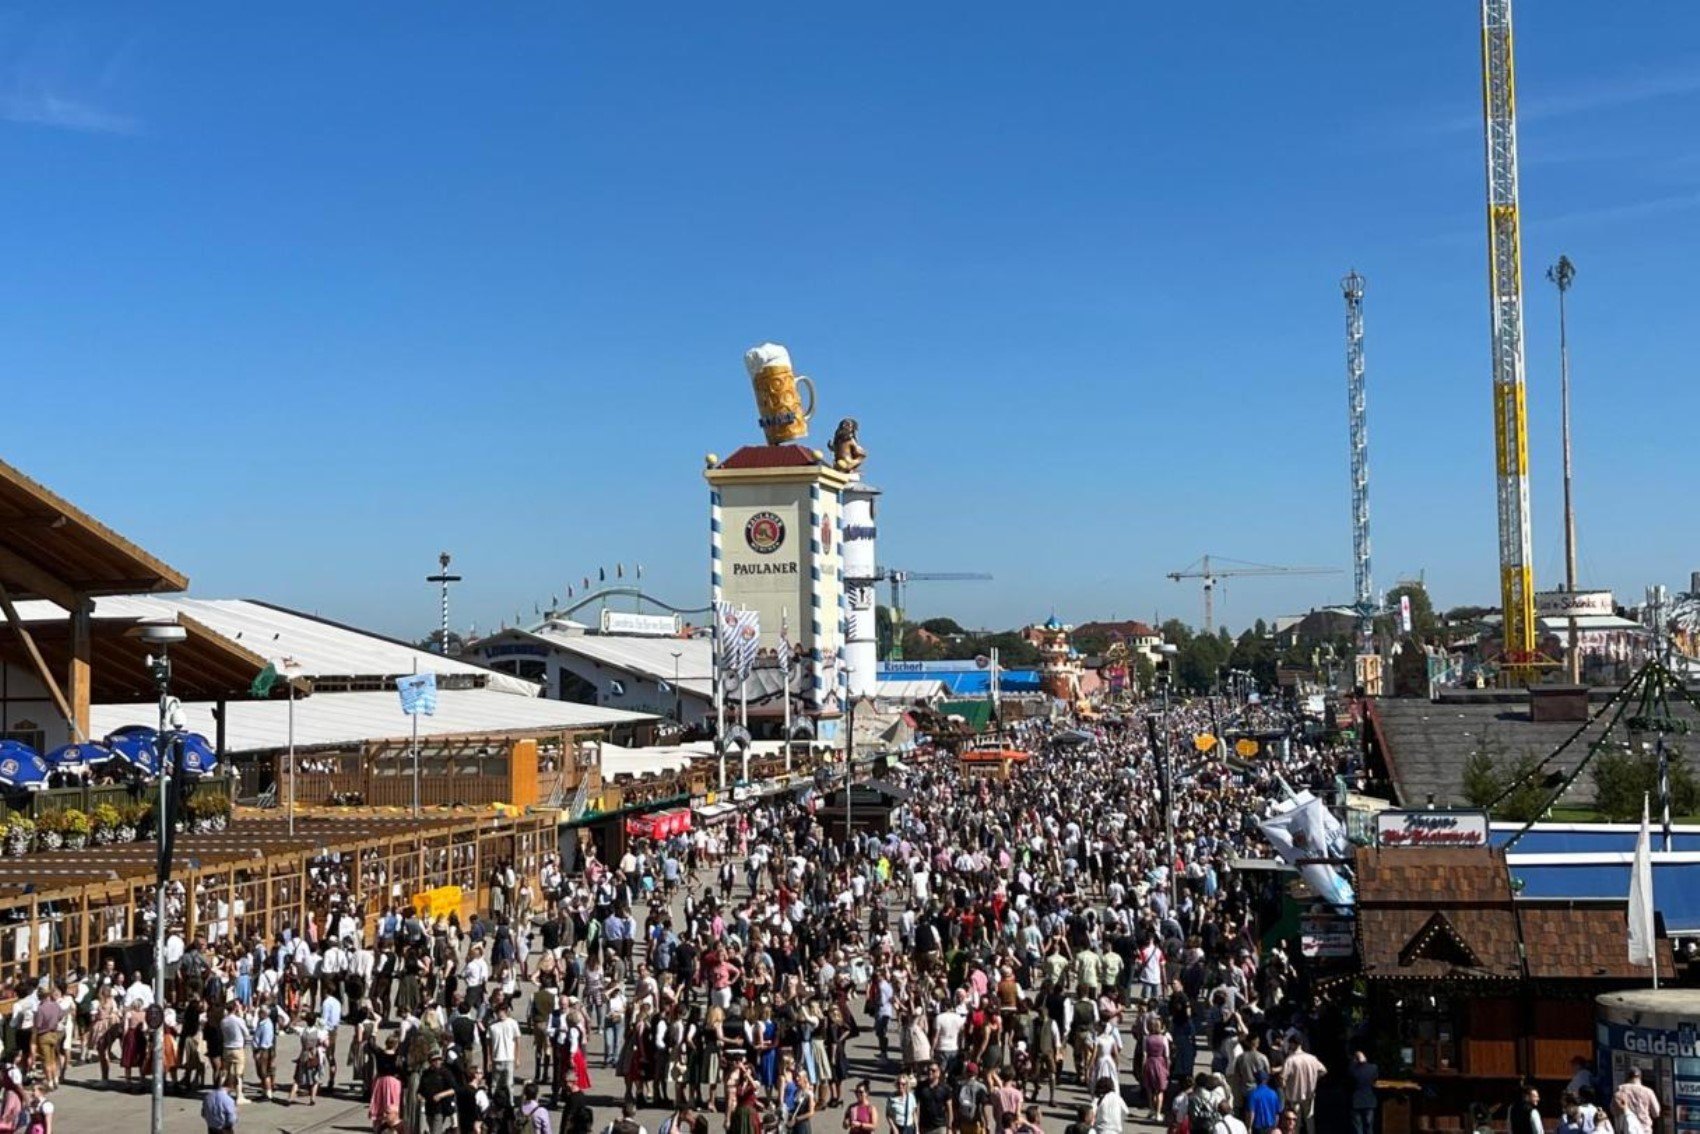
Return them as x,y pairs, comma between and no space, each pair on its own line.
1141,640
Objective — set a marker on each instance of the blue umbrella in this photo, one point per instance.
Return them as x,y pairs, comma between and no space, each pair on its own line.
197,755
136,745
82,755
22,766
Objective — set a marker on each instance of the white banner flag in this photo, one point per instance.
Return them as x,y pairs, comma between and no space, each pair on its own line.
1641,940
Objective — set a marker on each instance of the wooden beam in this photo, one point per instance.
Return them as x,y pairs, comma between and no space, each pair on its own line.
26,576
46,674
80,679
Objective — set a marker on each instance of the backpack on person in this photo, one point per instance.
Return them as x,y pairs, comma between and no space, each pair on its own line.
1200,1113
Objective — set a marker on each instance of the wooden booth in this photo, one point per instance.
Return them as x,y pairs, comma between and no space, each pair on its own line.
1472,989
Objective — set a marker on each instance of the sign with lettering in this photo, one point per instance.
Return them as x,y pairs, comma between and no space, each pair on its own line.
1431,829
1562,604
630,622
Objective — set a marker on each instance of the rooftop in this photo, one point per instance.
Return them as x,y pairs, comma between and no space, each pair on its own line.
1427,743
51,549
326,652
341,720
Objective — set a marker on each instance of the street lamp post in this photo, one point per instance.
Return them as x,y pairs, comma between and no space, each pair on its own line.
162,635
1169,651
849,764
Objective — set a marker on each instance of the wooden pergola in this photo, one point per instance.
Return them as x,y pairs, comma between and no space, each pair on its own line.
61,908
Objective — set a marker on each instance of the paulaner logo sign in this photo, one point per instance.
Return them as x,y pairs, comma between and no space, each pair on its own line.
1431,829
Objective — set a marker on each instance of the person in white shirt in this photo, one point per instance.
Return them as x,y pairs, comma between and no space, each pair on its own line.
503,1037
947,1037
139,990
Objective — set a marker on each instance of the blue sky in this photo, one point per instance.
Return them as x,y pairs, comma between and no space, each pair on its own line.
297,297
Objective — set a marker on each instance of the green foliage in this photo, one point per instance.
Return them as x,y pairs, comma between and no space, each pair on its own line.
1489,772
105,817
1145,673
1482,779
1423,622
1622,778
943,627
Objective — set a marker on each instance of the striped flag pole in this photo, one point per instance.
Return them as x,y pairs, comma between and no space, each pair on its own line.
785,677
1664,789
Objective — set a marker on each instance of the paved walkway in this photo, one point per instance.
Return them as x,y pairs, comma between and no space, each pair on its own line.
83,1104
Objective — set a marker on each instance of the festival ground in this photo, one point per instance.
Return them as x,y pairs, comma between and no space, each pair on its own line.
83,1103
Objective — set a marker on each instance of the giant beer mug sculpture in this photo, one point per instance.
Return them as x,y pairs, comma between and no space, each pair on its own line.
783,417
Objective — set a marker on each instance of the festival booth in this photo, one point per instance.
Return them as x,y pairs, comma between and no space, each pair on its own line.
659,826
1472,988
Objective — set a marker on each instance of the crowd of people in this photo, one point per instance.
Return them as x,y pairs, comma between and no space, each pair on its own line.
1015,943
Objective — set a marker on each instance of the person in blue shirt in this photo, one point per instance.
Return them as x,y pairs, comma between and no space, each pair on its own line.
265,1050
1262,1106
218,1109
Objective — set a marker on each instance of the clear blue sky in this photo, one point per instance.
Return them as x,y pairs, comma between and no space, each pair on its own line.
298,296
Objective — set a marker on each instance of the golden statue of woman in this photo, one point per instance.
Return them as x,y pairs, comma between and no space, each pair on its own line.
847,452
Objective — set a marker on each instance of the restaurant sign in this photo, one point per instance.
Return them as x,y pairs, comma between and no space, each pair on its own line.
1431,829
1562,604
630,622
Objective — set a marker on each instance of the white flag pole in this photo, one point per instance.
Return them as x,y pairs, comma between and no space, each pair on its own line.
1643,945
785,680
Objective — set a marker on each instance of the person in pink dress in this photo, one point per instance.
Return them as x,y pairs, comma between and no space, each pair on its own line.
385,1107
1155,1078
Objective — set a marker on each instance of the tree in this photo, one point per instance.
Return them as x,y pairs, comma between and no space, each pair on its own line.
432,643
1093,643
1199,661
1482,779
1175,632
1623,778
1145,673
1489,772
1014,651
918,645
943,627
1423,621
1260,628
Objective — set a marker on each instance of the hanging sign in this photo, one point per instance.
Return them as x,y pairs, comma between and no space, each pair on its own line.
1204,742
1431,829
1246,747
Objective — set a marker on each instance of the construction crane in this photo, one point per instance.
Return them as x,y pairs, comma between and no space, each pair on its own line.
1505,291
1363,590
900,581
1202,568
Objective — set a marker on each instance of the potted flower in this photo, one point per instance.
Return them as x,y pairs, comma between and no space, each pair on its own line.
104,821
130,818
20,834
74,827
50,830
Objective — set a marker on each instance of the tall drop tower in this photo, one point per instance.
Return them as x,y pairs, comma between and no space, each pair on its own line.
1505,290
1368,664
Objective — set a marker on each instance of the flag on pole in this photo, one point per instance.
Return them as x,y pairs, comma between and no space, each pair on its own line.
784,651
746,637
418,693
263,681
1641,942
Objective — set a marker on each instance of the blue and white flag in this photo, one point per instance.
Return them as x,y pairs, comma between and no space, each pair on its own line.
784,650
747,638
418,693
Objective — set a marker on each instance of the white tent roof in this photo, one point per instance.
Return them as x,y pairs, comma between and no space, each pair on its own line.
652,658
617,761
910,689
645,656
320,649
328,719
